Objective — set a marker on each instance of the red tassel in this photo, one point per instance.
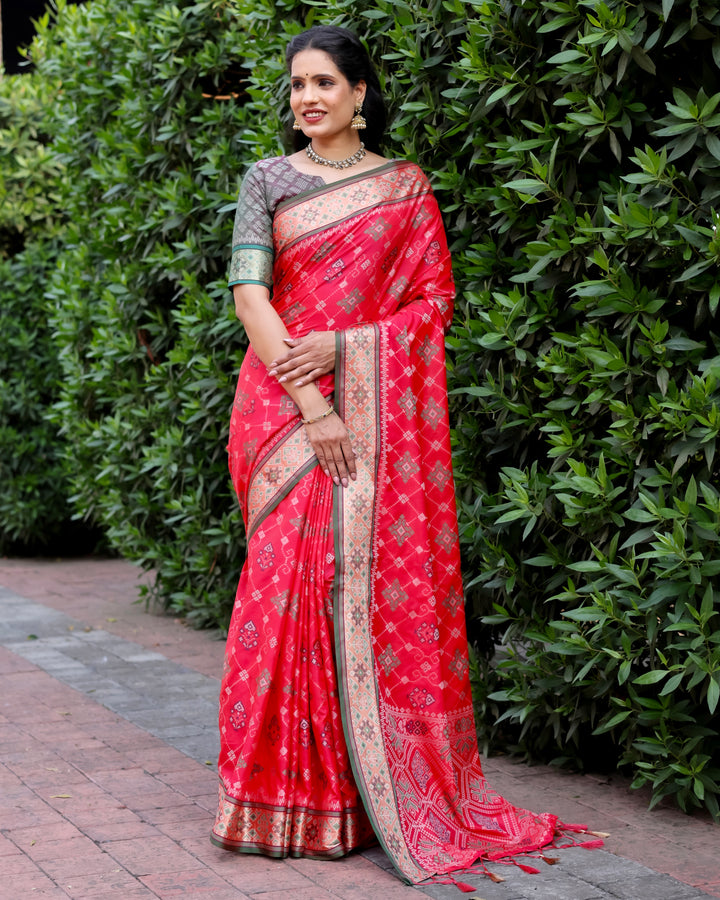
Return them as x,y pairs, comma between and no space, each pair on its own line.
591,845
531,870
550,860
460,885
562,826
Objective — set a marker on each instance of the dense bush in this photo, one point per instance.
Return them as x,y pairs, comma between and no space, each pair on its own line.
578,177
586,373
34,489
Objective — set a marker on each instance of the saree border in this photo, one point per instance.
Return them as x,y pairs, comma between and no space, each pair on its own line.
315,211
276,473
331,185
353,597
254,823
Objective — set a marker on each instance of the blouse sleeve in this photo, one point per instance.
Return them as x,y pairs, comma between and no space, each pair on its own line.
252,246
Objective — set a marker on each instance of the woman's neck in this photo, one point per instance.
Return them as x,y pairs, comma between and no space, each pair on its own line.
337,147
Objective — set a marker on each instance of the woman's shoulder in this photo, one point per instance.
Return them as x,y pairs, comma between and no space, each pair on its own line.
263,167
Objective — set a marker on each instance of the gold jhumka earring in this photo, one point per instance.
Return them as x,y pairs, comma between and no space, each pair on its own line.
358,120
297,126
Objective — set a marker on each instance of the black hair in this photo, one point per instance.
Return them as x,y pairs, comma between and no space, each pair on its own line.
352,59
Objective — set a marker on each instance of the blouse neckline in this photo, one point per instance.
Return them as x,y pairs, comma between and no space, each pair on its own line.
337,181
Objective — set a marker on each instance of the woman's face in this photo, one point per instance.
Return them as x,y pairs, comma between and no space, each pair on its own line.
321,96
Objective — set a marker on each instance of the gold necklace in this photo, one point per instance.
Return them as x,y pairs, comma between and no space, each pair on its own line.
336,163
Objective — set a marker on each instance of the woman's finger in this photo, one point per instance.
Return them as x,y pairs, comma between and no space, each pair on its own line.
349,457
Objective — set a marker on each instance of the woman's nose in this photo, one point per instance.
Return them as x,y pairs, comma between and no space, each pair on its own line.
309,94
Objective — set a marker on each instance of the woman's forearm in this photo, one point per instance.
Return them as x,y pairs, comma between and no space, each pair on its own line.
267,332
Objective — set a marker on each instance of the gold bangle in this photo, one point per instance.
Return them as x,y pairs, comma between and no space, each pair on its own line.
328,412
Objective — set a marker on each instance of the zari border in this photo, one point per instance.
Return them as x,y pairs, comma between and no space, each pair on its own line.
278,831
356,381
276,473
314,212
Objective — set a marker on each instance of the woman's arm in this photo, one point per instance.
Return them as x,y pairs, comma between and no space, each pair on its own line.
268,336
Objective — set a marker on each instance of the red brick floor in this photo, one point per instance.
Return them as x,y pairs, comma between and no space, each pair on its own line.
93,806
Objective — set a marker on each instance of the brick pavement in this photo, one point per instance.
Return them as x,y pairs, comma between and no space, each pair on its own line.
107,784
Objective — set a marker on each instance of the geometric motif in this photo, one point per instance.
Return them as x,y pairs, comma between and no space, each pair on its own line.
453,601
428,633
406,467
394,594
408,404
238,716
433,413
459,664
420,697
247,635
401,530
388,660
439,476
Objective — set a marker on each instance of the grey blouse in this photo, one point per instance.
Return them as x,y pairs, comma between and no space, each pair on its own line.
267,183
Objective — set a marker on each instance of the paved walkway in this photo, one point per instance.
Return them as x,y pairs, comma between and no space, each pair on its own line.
107,784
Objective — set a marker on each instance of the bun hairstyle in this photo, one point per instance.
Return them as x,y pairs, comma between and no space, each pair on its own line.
351,58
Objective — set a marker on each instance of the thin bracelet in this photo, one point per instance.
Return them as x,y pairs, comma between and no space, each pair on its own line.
328,412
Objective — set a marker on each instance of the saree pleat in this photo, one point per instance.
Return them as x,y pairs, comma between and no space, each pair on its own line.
291,791
345,704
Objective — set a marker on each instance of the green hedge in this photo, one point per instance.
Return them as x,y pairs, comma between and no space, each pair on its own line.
574,152
34,489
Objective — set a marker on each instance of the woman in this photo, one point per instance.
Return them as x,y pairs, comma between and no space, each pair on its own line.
345,705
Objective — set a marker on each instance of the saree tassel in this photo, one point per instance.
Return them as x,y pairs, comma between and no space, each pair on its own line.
464,886
565,832
531,870
480,868
448,879
550,860
580,829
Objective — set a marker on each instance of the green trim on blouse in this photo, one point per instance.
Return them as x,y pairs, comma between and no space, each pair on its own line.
251,264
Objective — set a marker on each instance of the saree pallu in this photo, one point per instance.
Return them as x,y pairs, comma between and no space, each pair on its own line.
345,703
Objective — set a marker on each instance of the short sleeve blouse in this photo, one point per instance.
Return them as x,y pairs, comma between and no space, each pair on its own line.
267,183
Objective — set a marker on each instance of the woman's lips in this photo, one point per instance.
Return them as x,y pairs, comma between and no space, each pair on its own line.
313,115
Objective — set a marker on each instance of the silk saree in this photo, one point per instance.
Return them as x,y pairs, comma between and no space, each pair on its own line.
345,710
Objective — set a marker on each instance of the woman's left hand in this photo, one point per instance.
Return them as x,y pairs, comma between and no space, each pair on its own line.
308,358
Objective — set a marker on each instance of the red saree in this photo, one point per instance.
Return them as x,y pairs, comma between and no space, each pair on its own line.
345,704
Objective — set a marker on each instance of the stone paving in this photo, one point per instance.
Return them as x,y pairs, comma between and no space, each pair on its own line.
108,740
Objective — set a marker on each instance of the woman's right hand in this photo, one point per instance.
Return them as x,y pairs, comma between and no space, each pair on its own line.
331,442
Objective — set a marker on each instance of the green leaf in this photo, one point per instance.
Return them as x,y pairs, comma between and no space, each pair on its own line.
713,695
650,677
526,186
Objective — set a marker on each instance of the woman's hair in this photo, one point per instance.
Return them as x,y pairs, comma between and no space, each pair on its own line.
351,58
